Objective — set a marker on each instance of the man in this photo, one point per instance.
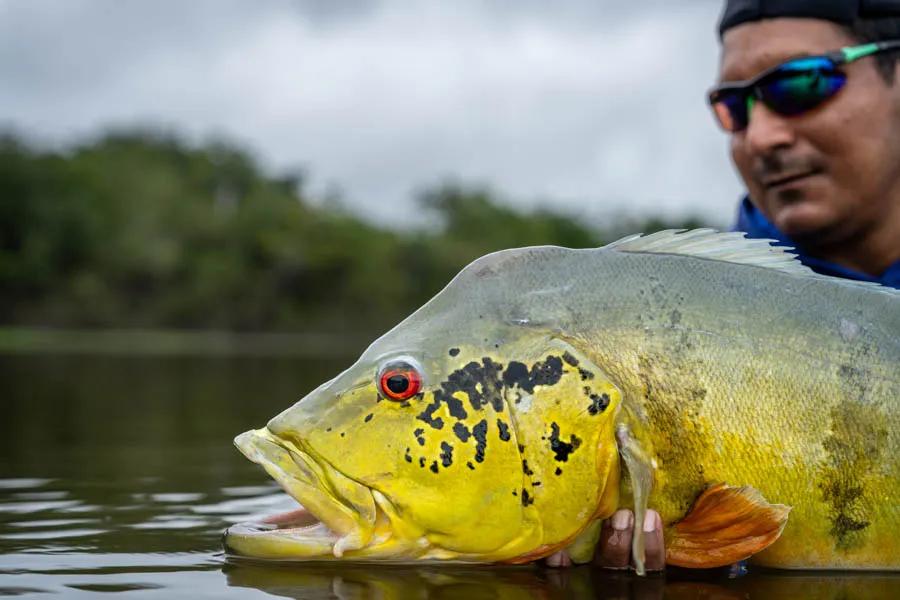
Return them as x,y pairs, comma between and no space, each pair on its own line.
819,147
813,113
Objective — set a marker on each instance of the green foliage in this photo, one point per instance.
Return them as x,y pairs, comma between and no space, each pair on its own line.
139,229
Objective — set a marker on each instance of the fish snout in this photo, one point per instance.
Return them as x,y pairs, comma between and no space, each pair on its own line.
306,417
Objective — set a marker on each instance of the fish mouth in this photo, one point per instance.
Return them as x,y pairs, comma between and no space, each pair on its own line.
337,516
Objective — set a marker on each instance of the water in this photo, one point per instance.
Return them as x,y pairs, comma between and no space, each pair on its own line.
117,476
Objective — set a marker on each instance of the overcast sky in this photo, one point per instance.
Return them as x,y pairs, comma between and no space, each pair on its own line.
592,106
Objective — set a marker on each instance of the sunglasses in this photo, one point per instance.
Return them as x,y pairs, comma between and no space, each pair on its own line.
790,88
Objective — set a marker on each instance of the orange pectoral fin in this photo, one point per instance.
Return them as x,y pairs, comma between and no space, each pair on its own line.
725,525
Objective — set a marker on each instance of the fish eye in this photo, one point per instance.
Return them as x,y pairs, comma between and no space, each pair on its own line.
399,380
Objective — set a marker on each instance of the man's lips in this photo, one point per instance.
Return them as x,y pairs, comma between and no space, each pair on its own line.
782,179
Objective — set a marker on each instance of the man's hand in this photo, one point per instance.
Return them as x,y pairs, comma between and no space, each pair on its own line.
614,547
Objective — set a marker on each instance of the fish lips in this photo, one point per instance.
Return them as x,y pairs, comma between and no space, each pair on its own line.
339,514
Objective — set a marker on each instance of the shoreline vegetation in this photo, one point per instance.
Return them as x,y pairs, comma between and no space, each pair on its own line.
163,343
138,241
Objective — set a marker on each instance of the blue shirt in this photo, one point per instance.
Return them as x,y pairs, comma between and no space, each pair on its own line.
756,225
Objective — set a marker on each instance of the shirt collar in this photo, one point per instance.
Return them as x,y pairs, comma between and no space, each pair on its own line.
752,221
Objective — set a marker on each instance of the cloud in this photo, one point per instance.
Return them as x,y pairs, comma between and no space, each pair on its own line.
593,106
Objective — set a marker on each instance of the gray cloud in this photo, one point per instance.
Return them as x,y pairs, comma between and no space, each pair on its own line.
594,106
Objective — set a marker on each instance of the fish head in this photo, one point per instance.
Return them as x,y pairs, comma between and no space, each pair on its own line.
459,435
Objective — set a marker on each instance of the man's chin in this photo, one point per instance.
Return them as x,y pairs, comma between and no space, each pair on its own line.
807,223
802,211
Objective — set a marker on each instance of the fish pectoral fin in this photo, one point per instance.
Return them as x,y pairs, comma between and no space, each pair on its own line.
641,473
581,550
726,525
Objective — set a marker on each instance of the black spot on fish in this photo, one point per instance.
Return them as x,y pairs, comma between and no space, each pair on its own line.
535,483
843,526
571,360
561,449
407,456
462,432
843,499
454,351
548,372
421,461
479,432
855,446
446,454
585,374
598,403
515,492
526,499
480,382
343,434
516,373
558,471
427,415
455,406
378,398
329,429
470,465
525,468
368,417
420,437
521,448
504,430
433,467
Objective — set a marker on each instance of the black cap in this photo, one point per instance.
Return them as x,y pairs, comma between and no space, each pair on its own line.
844,12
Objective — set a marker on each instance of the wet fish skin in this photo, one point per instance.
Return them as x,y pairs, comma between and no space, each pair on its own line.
752,375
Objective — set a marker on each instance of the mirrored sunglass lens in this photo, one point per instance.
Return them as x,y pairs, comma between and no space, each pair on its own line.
731,110
801,85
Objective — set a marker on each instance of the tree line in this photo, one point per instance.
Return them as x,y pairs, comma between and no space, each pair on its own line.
141,229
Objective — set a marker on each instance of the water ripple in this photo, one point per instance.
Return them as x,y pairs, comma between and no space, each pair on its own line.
22,483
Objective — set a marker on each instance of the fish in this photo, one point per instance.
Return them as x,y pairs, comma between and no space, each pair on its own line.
753,403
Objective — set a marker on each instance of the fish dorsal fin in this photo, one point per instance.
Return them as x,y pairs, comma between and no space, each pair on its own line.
731,247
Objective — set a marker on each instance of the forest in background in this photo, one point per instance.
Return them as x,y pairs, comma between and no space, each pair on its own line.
140,229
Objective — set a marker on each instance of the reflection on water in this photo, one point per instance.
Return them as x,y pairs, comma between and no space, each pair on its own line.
513,583
117,475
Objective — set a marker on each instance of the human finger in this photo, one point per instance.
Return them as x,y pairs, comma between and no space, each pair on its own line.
559,559
614,547
654,544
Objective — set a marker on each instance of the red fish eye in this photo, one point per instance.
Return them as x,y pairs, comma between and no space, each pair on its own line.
400,381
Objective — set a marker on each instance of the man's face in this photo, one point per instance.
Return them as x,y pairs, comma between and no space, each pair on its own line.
826,175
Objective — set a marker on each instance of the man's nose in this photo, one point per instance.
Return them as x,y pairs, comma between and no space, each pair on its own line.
767,130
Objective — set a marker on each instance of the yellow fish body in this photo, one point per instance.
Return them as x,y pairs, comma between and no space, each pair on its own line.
755,404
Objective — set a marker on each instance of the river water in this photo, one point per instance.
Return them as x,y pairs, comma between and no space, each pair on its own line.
118,477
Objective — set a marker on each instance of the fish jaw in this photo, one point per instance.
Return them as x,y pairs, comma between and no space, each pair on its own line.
339,515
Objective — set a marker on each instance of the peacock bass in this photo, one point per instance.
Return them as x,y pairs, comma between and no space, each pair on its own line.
753,403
